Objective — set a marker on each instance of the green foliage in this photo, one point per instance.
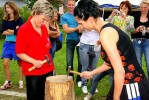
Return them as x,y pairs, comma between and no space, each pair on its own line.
29,3
1,17
24,13
1,14
55,4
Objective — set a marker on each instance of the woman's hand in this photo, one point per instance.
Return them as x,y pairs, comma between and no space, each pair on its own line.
37,63
147,29
142,28
123,15
80,29
86,74
139,28
17,27
116,98
115,12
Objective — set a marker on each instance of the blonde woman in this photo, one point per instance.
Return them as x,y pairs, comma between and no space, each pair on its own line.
32,46
141,36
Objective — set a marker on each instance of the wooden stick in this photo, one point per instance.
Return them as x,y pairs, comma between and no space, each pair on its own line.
74,72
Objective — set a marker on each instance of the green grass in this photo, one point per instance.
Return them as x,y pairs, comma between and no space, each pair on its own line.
60,64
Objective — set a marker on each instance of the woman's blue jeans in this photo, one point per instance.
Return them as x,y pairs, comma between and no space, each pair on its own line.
53,49
86,60
70,50
96,79
141,47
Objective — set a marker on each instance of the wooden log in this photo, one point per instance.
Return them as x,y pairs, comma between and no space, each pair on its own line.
60,87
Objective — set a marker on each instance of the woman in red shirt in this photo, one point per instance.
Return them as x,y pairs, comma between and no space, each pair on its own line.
32,46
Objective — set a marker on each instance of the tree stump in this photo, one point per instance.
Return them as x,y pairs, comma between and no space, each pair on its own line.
60,87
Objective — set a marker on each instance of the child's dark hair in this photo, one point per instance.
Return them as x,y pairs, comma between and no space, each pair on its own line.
86,9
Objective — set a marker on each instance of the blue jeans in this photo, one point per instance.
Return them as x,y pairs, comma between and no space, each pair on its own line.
96,79
52,53
87,60
142,46
70,49
53,49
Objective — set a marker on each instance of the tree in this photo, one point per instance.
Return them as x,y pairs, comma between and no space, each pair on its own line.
55,3
29,3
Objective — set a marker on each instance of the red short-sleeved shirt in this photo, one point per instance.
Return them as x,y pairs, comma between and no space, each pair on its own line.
34,45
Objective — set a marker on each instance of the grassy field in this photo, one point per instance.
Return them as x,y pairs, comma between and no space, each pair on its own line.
60,64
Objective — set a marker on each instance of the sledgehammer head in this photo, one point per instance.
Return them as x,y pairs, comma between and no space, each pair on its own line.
68,71
47,58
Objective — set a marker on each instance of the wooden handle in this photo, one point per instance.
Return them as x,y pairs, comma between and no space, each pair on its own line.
74,72
33,67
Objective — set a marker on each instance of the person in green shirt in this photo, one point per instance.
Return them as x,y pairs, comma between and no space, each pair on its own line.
122,18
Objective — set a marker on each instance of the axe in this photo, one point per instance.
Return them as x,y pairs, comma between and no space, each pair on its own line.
70,71
43,62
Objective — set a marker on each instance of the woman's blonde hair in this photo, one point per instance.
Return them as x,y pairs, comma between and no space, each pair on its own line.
145,1
14,7
42,7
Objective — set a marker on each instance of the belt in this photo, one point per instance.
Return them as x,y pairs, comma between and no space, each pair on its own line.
11,42
140,39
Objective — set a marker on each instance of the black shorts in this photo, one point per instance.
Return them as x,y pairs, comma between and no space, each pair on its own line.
133,91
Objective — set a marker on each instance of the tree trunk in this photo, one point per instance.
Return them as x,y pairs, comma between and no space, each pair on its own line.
60,87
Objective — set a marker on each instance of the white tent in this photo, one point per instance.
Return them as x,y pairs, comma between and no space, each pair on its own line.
117,2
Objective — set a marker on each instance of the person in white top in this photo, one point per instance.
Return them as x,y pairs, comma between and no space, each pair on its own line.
89,53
